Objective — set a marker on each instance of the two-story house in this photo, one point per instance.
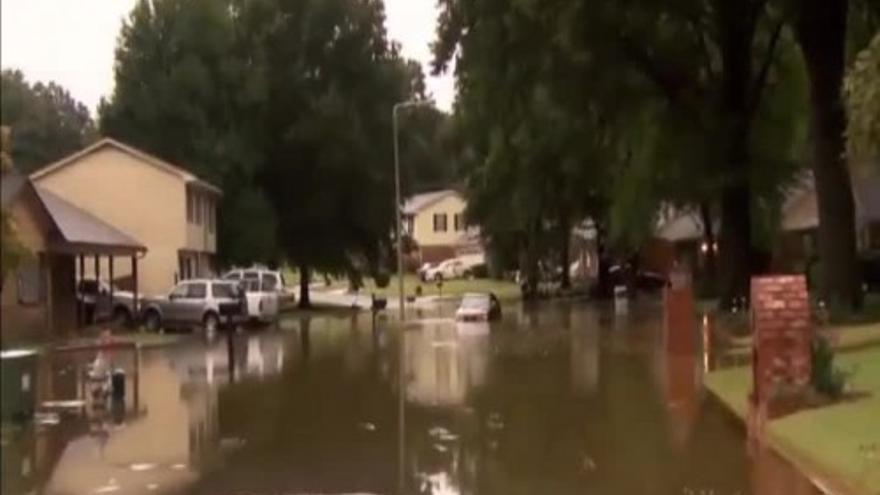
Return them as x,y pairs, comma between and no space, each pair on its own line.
168,210
435,221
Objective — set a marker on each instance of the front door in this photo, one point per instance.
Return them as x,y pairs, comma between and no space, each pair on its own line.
194,302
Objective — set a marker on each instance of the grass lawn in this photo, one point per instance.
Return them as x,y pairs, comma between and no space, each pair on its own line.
502,288
841,442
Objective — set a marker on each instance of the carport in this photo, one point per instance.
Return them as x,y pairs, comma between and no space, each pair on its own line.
74,237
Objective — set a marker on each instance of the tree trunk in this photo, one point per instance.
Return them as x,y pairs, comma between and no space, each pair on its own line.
821,30
603,264
565,249
304,276
737,28
709,273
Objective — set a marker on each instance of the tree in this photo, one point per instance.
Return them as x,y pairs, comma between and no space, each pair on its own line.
188,91
12,250
862,93
822,33
616,69
332,78
47,123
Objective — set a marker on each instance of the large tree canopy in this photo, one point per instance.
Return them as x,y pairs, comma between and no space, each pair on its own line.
862,91
45,121
285,104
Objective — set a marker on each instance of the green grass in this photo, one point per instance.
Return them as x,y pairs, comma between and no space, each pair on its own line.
502,288
840,442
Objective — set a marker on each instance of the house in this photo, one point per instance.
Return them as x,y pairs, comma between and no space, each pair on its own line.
800,219
38,298
797,244
435,221
168,210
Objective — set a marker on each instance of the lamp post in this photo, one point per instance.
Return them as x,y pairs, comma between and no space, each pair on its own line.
398,205
401,371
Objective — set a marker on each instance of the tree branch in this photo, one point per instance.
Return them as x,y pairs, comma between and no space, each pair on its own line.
761,79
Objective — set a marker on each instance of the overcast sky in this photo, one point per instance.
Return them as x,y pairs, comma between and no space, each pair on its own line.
71,42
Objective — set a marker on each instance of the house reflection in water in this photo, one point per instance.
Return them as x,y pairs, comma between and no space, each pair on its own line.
161,445
445,361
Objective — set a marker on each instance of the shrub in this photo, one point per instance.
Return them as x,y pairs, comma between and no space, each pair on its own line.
382,279
825,377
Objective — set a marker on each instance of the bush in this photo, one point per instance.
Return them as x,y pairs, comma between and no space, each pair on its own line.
825,377
382,279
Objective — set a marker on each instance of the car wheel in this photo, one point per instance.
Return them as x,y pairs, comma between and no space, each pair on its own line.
121,317
211,323
152,320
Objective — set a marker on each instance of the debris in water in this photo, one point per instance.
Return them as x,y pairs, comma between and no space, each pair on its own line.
142,466
367,426
47,418
588,464
439,447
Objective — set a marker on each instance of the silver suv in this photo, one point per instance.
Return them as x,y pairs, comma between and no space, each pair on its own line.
200,302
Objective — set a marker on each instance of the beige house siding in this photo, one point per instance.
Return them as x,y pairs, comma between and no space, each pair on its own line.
201,225
423,223
142,200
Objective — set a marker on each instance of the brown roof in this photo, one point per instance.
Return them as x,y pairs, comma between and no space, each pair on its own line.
189,178
79,228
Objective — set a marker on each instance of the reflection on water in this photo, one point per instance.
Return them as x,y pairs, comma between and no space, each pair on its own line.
560,398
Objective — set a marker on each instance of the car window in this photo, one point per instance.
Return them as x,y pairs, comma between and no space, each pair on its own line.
196,291
250,285
227,291
270,283
233,276
180,290
251,275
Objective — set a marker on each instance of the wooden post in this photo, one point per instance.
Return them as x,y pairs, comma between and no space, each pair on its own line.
80,313
50,306
134,290
110,267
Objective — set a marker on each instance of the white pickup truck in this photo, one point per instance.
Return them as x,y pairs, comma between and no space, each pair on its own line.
265,292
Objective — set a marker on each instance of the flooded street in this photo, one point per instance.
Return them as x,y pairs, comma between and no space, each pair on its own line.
559,398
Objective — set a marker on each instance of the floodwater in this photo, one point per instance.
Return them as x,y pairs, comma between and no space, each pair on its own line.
555,399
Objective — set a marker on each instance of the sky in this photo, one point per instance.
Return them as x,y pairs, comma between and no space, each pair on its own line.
72,42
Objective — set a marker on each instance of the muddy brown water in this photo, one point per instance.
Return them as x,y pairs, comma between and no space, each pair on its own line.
556,398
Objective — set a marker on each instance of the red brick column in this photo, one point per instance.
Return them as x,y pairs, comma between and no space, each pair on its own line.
781,333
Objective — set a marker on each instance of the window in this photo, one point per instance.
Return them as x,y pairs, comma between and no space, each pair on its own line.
226,291
198,209
408,225
233,276
211,214
179,291
190,207
196,291
251,275
30,283
458,222
270,283
439,222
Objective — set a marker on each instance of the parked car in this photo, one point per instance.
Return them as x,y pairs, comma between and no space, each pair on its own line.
468,265
208,303
445,270
869,270
93,296
423,270
261,295
286,296
478,307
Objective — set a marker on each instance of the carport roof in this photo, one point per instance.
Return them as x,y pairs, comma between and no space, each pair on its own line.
82,231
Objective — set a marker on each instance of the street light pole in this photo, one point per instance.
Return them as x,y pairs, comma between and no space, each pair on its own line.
401,366
398,205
